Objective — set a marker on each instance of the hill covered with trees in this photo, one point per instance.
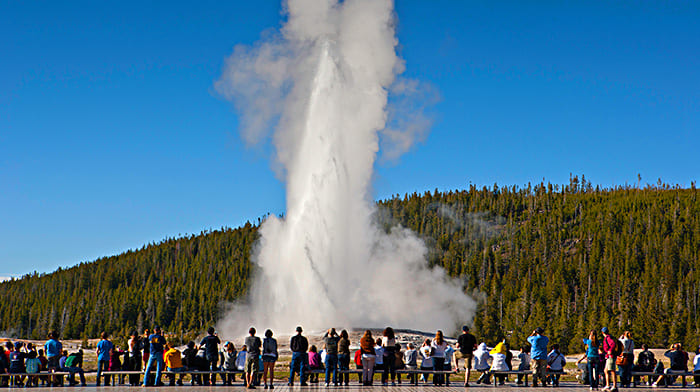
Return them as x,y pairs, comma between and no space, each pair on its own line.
568,258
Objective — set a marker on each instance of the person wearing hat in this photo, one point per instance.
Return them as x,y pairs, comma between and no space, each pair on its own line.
466,343
608,348
538,353
156,345
299,345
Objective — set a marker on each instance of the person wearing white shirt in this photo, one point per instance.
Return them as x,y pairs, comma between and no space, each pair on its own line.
556,362
481,363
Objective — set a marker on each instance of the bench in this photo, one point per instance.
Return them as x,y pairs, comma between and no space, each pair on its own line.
671,373
524,373
15,376
192,373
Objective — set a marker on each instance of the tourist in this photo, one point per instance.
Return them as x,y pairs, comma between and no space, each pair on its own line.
466,343
189,360
538,353
211,353
173,364
32,365
330,341
17,358
269,357
344,357
104,352
298,344
240,361
133,363
592,359
53,350
426,362
253,344
115,363
679,364
156,346
609,348
696,367
438,347
388,346
146,346
481,363
498,362
646,361
379,359
368,357
74,364
524,365
410,359
398,361
626,360
555,362
229,362
314,361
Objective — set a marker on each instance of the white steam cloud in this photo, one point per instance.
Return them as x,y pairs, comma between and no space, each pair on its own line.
320,86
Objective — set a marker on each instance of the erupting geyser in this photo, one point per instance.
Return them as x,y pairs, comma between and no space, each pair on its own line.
321,87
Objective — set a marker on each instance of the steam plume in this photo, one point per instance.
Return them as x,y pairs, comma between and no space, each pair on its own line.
320,86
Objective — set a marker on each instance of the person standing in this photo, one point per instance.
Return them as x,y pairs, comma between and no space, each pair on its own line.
269,357
592,358
330,340
251,362
299,345
627,359
438,347
104,353
211,353
135,346
538,353
389,353
609,350
466,343
368,357
156,346
344,356
53,349
146,346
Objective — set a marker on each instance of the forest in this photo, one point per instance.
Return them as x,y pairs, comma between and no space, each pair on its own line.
566,257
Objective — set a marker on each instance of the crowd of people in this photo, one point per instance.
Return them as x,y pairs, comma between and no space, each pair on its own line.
151,354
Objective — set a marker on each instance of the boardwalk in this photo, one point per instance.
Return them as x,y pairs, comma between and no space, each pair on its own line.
565,387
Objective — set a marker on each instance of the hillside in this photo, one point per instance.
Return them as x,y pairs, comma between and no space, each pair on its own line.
568,258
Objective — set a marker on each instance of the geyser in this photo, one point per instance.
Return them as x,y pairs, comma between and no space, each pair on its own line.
321,86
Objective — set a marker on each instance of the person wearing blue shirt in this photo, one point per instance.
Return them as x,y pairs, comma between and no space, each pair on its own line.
104,351
156,345
538,352
53,349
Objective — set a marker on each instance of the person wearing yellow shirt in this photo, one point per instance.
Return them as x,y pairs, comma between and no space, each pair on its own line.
173,362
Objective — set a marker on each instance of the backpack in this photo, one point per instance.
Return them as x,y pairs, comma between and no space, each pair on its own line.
617,350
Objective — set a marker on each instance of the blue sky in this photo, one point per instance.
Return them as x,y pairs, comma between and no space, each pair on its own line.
111,134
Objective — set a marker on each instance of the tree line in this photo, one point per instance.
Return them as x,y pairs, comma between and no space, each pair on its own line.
570,258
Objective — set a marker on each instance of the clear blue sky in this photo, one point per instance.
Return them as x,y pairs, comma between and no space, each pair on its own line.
111,135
